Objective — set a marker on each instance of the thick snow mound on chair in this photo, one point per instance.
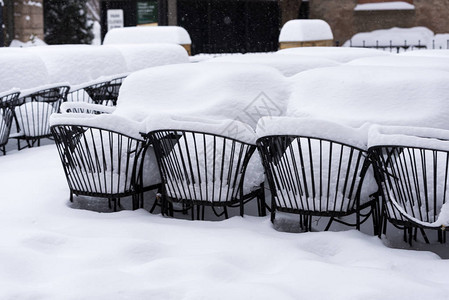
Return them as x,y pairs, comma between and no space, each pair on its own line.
382,95
241,92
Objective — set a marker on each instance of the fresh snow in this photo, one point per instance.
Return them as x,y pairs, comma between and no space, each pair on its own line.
288,65
393,37
393,5
21,70
242,92
54,249
50,249
142,56
339,54
356,95
441,63
147,34
79,63
305,30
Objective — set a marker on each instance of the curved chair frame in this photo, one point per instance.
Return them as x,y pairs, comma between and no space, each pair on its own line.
201,169
414,183
32,121
7,104
101,163
306,175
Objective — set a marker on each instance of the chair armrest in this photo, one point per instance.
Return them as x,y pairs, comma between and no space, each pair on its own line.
84,107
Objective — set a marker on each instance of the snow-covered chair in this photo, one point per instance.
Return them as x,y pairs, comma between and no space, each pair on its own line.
412,167
79,93
102,91
106,94
86,108
33,110
104,156
317,168
7,102
207,164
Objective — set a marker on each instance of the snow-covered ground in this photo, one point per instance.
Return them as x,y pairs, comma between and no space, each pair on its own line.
53,249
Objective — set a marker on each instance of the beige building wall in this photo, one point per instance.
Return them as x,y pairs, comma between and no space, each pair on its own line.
28,19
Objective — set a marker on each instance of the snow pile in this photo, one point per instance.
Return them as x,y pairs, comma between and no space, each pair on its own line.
339,54
62,252
109,122
391,5
443,53
326,168
384,95
305,30
35,41
393,37
20,69
440,63
287,64
241,92
422,172
79,63
147,34
141,56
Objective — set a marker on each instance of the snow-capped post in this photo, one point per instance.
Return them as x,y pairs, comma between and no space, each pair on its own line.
149,34
305,33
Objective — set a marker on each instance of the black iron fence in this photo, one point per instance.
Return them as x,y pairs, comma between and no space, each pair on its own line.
400,47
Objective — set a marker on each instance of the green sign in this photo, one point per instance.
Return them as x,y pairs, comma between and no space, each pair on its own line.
147,12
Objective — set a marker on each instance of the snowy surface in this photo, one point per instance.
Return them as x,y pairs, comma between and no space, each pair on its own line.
305,30
31,43
356,95
147,34
428,53
20,69
288,64
393,5
393,36
441,41
79,63
105,121
239,92
441,63
313,127
339,54
141,56
421,137
50,250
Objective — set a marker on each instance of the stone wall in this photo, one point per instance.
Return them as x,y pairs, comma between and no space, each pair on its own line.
28,19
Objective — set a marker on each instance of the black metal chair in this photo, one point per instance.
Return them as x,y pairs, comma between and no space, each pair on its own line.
7,103
102,163
105,93
92,92
32,114
317,177
414,183
203,169
86,108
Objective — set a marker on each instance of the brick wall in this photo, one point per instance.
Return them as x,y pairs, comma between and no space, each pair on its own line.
28,19
345,22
